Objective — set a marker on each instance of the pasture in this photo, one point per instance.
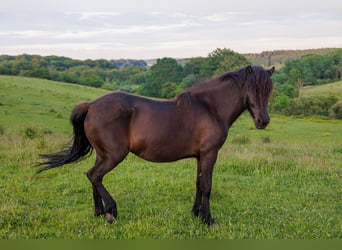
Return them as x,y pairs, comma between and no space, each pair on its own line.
331,89
280,183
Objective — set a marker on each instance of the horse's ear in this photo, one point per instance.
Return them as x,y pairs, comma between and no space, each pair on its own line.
271,70
249,70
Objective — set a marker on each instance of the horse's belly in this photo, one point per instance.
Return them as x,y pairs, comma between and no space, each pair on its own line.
162,135
167,151
161,156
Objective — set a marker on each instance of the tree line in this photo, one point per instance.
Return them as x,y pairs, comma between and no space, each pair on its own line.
167,77
88,72
307,71
164,79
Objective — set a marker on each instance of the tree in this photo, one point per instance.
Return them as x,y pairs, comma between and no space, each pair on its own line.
224,60
198,66
94,81
170,89
165,70
336,111
218,61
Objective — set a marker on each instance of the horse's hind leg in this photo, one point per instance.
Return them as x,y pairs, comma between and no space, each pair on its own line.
95,175
99,208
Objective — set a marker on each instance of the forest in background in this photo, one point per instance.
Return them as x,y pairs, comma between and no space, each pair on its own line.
166,77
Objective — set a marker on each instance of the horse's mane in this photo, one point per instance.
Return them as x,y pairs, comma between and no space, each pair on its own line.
198,90
206,87
183,99
231,79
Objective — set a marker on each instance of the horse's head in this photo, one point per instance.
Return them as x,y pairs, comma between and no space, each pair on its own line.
259,88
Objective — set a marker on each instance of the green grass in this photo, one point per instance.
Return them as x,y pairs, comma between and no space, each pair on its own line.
331,89
41,103
280,183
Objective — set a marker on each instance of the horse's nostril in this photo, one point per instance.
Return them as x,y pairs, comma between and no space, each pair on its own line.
261,123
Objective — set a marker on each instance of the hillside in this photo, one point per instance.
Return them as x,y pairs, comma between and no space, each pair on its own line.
278,58
44,104
331,89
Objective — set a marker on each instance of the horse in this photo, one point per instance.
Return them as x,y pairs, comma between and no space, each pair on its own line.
194,124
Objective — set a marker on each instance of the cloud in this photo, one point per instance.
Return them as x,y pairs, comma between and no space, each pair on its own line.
101,33
194,6
147,34
91,15
225,16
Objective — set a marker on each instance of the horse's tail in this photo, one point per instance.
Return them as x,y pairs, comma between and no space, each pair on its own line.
78,148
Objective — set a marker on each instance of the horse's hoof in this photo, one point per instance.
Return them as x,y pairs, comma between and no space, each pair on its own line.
214,225
110,218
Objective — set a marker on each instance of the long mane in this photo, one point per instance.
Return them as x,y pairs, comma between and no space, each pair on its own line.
238,78
260,82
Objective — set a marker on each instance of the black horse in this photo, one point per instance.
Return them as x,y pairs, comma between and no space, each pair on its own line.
194,124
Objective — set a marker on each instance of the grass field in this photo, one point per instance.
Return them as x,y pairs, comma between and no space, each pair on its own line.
331,89
280,183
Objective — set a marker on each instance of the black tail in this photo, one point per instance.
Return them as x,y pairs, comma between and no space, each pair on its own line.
80,146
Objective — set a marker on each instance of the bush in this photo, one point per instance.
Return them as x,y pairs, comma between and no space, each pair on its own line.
29,132
279,103
170,89
308,106
336,111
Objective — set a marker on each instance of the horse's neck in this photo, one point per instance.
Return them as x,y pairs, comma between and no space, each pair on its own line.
227,102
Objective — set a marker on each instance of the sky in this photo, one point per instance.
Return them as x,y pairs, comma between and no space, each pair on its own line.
145,29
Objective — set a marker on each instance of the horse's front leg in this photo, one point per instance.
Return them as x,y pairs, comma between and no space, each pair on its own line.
198,198
201,207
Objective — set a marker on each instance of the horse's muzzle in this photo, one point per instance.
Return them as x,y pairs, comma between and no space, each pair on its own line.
262,122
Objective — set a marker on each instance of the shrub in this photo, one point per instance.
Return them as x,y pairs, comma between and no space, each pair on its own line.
170,89
336,111
308,106
29,132
279,103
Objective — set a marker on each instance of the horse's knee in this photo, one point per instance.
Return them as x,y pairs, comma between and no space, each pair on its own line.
93,176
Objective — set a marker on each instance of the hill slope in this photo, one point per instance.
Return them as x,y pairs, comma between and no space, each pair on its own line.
40,102
331,89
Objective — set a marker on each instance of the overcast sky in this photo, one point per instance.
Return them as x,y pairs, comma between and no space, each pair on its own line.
146,29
